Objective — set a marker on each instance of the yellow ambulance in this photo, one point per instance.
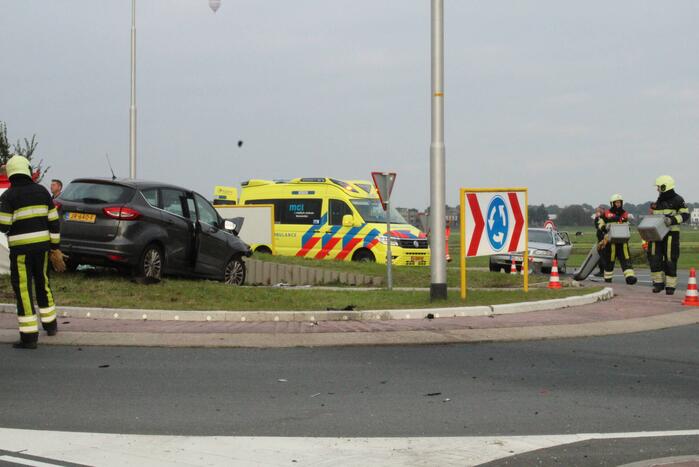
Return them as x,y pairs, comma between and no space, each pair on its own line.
326,218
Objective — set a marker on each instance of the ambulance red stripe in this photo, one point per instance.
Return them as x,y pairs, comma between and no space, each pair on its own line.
308,246
328,246
350,246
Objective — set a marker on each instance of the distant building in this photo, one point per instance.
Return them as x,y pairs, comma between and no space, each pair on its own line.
694,216
451,215
411,215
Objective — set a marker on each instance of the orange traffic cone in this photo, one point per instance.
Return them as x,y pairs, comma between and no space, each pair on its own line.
554,281
513,268
691,298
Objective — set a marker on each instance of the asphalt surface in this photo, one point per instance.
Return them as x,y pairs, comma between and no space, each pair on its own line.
635,382
643,276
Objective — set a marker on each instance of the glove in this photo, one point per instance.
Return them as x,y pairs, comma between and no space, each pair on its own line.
602,243
57,259
668,221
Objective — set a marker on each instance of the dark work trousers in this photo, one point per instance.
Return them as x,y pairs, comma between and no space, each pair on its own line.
26,269
611,253
663,256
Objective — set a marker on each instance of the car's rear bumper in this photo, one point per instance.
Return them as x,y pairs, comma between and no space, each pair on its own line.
100,253
506,260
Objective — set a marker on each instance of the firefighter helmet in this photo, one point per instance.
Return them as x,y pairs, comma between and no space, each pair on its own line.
18,165
665,183
615,197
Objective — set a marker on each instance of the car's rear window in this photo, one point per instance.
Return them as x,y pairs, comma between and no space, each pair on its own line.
97,193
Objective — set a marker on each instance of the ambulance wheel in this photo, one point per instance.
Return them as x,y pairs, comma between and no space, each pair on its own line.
364,256
234,273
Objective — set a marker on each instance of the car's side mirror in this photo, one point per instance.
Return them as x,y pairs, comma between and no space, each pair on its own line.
347,220
561,243
230,226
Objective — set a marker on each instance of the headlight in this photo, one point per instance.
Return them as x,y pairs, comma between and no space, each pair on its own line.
545,253
383,240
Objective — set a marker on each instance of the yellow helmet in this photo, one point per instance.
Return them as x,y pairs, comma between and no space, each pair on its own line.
665,183
615,197
18,165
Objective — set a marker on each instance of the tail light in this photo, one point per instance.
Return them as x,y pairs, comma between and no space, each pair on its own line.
121,212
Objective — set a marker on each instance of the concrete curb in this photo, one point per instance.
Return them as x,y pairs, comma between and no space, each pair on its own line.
339,339
257,316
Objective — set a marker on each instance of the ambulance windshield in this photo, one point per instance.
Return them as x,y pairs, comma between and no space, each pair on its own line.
372,211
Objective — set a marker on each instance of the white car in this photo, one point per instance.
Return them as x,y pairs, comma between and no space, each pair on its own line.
544,246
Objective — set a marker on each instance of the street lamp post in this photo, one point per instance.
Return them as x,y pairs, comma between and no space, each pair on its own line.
132,108
438,285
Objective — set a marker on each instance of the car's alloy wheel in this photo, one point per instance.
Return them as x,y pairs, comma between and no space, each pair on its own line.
234,273
152,263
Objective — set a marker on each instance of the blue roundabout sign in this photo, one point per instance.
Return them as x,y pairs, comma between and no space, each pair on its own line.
497,223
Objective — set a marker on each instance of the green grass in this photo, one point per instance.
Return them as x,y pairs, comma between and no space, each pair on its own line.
689,247
107,289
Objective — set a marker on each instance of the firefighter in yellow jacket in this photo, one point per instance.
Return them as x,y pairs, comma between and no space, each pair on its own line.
30,220
663,255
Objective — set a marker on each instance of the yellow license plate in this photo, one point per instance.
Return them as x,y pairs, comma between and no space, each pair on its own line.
81,217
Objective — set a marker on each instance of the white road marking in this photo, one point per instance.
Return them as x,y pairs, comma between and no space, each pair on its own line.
22,461
155,450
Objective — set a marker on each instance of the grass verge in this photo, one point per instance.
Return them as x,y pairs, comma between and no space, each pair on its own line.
114,291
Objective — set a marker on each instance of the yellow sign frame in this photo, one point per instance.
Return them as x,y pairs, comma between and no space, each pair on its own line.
462,229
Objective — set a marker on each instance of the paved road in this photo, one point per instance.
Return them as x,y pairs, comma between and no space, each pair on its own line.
642,274
644,279
566,402
636,382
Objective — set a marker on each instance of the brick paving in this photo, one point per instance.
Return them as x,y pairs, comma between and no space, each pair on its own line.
629,303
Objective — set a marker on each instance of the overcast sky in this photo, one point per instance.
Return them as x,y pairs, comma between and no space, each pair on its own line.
575,100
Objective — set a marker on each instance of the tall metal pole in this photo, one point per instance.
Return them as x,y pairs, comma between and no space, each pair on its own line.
132,109
438,285
389,255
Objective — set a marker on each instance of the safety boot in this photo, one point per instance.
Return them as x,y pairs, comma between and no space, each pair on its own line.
607,280
51,328
669,290
24,345
657,288
631,280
